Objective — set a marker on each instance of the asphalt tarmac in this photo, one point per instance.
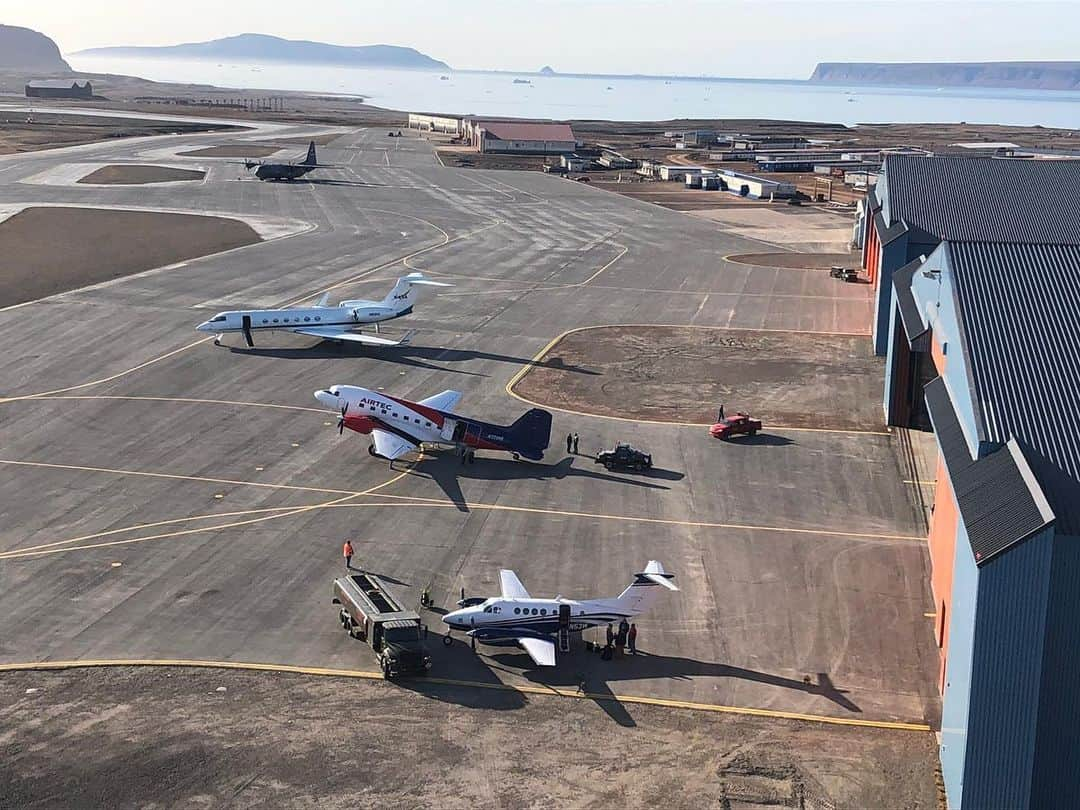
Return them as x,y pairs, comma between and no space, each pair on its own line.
163,498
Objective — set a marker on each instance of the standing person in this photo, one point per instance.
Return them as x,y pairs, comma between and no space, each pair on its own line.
620,642
347,553
720,414
610,635
575,442
631,638
569,442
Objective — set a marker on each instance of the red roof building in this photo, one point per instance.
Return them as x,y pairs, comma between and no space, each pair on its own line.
522,137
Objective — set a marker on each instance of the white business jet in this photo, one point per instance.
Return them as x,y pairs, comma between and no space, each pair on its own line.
323,321
516,619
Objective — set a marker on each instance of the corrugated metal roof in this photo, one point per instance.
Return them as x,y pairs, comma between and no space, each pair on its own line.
523,131
1020,310
983,200
997,495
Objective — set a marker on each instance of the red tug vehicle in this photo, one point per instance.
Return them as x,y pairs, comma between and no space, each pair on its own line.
734,425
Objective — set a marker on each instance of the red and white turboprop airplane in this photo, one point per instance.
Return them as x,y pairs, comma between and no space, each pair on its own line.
398,426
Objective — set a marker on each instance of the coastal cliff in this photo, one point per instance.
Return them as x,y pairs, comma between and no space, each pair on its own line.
24,49
1021,75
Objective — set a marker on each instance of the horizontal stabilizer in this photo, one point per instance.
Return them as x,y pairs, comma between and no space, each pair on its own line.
662,579
420,278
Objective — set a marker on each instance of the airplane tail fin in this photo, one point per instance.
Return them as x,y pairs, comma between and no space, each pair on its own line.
403,296
647,585
310,160
531,433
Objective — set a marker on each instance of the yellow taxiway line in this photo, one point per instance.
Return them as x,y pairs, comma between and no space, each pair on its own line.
550,691
177,477
525,368
110,378
187,400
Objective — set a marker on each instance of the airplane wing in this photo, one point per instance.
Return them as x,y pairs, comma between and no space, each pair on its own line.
390,445
446,401
511,585
335,333
540,650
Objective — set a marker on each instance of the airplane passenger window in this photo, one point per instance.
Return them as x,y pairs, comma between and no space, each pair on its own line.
318,318
306,318
427,424
275,320
534,611
543,611
265,321
517,610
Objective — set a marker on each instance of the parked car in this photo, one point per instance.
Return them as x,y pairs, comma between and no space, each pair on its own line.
623,455
734,425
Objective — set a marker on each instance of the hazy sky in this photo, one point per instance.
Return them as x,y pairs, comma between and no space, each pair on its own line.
765,38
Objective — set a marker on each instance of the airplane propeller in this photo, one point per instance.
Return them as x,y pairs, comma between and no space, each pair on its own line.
341,421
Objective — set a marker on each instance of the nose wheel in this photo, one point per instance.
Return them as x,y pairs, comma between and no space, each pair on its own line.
447,640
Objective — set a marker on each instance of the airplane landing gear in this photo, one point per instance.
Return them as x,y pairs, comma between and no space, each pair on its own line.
516,457
371,450
447,640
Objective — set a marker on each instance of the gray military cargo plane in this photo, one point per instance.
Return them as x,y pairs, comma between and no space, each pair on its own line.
287,171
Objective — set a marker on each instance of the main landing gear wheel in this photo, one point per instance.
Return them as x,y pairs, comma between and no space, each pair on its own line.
371,450
447,641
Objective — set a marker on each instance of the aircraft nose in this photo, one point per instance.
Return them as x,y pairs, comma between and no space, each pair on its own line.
203,327
328,399
453,618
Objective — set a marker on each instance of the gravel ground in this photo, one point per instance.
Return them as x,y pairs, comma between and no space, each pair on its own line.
158,737
66,248
130,175
675,374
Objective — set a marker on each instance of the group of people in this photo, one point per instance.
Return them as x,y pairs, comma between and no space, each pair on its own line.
624,637
571,443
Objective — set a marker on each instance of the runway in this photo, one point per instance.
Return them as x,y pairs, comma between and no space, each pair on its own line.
166,499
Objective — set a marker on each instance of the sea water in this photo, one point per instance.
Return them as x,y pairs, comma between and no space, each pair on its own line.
617,98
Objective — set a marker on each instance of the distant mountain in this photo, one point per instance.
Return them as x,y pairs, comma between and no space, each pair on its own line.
1027,75
547,70
264,48
23,49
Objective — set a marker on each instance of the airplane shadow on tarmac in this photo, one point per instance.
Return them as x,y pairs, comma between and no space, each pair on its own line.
414,356
586,670
446,470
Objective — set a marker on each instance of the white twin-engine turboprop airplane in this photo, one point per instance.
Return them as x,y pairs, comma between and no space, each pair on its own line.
515,618
323,321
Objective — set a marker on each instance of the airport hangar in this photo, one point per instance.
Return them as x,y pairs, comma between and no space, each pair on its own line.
519,137
980,335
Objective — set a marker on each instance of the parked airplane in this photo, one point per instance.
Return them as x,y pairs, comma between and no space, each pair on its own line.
287,171
515,618
398,426
323,321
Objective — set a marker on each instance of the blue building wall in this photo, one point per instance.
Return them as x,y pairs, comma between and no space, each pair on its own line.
1056,780
895,324
937,304
957,694
893,257
1006,676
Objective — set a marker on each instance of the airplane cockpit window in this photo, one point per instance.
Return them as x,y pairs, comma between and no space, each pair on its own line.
217,319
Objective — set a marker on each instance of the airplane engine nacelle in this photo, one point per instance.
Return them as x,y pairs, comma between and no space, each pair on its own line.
361,424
